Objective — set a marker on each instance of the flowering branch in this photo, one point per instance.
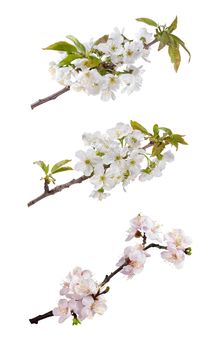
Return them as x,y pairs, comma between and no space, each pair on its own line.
107,278
83,296
119,156
103,66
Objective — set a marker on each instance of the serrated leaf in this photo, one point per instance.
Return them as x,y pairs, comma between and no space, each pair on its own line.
62,46
179,41
102,40
43,166
179,139
65,168
158,148
136,126
81,48
68,59
173,25
164,40
174,143
148,21
175,56
59,165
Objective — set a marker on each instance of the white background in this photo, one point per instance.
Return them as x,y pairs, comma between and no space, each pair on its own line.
162,307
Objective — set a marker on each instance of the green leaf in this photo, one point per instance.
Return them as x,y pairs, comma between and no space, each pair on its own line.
136,126
148,21
173,25
43,166
68,59
156,130
64,168
58,165
173,142
102,40
179,139
175,56
179,41
158,148
175,139
164,40
81,48
62,46
168,131
93,62
76,321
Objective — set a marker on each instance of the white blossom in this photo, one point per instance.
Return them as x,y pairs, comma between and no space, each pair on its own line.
88,160
174,256
92,306
141,225
99,194
176,238
116,156
63,310
132,51
135,258
134,139
132,81
144,35
168,157
119,131
102,180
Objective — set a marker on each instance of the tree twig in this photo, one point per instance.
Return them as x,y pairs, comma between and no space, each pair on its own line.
36,319
112,274
57,189
146,46
50,98
154,245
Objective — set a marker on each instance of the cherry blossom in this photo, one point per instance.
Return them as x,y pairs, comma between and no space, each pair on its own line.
135,258
143,225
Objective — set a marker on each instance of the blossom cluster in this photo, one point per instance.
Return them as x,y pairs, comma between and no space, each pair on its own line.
118,156
104,66
176,248
83,297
